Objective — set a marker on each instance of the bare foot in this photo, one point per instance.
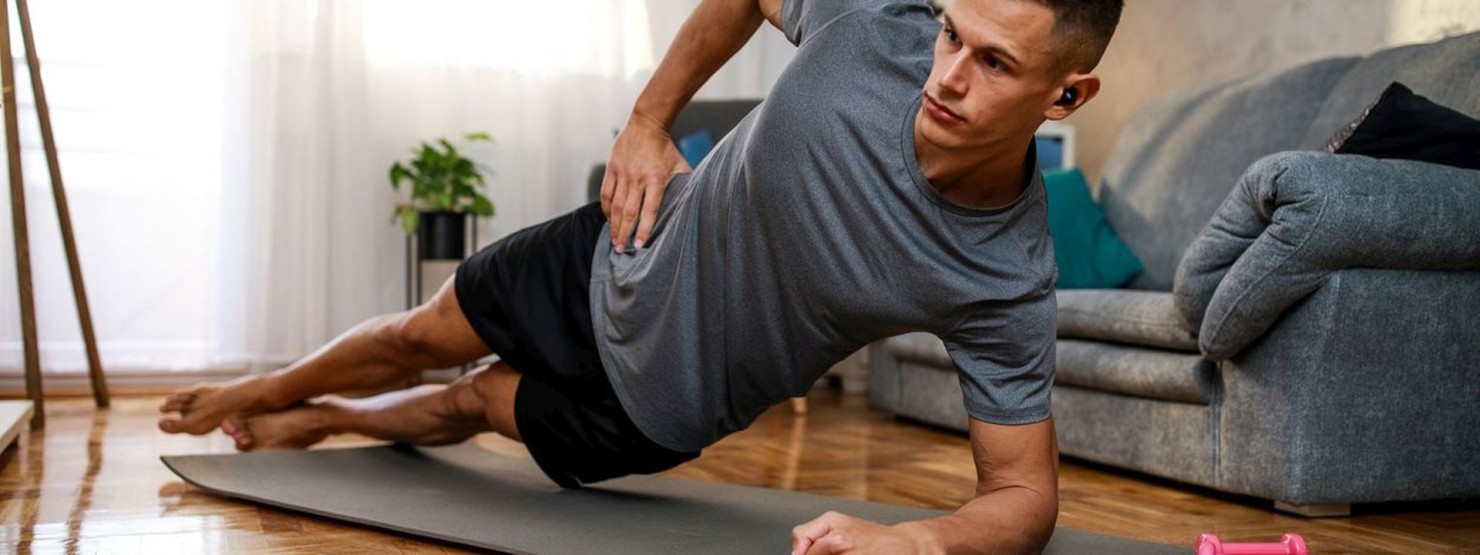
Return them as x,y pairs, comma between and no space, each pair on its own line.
203,407
296,428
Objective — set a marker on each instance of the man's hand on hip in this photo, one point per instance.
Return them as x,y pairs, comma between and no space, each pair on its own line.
836,533
642,162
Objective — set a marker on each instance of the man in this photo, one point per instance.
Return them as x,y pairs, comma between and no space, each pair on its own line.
886,185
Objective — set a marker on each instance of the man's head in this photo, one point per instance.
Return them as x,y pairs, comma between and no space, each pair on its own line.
1004,66
1081,30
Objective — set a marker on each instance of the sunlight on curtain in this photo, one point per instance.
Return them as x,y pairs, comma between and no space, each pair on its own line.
553,37
337,90
135,95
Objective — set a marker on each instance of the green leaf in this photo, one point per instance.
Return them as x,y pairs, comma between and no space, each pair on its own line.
479,136
410,219
482,206
397,174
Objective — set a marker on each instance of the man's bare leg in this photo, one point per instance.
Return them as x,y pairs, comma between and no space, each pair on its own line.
427,415
378,352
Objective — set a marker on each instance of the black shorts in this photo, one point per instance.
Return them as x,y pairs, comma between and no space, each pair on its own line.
528,296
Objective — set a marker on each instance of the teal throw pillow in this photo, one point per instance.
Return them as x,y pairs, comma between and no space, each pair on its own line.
695,146
1089,254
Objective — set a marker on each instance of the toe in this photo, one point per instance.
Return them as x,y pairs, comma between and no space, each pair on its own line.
195,426
180,426
239,432
176,402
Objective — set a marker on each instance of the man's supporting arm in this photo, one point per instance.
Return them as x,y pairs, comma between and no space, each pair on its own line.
1017,492
1014,511
644,158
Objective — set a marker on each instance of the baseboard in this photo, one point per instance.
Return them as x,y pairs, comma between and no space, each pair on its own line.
77,383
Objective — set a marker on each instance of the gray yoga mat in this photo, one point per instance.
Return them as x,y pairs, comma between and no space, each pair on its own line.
470,496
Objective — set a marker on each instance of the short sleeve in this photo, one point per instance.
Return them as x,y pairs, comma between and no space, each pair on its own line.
1004,358
801,18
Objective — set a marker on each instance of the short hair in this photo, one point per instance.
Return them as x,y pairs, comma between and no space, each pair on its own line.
1082,30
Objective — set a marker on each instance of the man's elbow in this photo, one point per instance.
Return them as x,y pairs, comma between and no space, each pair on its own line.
1039,513
1041,525
771,10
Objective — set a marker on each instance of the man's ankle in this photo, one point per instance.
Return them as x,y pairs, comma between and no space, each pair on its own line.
265,395
328,417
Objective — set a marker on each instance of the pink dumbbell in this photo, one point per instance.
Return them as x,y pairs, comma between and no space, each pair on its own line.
1289,544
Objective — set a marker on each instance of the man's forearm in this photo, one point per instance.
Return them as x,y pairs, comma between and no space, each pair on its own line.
1009,520
711,35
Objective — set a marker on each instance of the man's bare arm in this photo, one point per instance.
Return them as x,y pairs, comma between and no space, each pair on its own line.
1014,510
644,157
1017,492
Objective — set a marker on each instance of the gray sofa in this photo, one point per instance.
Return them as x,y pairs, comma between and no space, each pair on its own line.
1307,326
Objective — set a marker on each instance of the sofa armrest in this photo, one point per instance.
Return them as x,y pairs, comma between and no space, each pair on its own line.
1295,217
1365,391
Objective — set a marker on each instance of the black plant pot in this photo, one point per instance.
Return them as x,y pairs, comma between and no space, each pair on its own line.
440,236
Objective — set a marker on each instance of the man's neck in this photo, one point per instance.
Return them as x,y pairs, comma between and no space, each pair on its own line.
987,177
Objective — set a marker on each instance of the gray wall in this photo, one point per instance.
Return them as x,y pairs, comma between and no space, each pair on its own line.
1166,44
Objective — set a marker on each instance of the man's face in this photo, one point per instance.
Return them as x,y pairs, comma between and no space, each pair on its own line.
994,74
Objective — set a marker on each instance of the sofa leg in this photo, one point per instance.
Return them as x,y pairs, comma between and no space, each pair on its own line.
799,405
1315,511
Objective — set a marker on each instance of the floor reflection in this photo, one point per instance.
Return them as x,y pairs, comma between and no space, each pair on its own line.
794,446
85,488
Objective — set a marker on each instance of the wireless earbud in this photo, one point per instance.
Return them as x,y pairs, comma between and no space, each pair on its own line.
1070,95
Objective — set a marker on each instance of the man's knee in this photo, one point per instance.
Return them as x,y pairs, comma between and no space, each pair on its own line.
435,332
413,333
495,388
405,334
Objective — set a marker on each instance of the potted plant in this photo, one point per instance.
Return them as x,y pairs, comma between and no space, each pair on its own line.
446,186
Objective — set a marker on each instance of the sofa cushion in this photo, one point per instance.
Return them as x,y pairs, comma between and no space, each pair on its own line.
1446,72
1135,371
1127,370
1146,318
1175,162
1165,438
932,394
920,347
1085,247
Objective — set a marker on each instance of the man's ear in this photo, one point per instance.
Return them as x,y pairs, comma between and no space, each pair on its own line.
1077,90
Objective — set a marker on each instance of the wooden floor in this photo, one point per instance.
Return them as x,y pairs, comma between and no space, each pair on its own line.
91,482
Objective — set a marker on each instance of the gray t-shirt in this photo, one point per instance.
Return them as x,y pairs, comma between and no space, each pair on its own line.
809,232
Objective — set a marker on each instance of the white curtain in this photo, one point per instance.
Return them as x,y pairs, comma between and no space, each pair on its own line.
226,161
133,98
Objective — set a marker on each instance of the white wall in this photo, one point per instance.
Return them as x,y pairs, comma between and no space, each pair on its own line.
1166,44
749,74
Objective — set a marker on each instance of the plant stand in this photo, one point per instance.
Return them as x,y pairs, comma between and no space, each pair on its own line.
417,270
18,216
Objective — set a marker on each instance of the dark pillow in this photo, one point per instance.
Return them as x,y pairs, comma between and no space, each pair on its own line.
1089,254
1404,125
